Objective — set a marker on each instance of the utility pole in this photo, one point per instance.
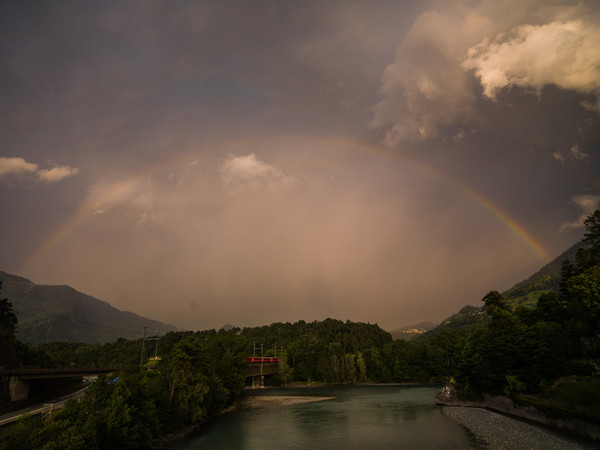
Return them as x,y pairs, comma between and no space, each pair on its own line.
261,350
262,361
150,338
156,348
143,341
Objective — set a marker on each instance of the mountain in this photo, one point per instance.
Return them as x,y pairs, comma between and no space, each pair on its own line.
60,313
468,319
410,332
544,280
526,292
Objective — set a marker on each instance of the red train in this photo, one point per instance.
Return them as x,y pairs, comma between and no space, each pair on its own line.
258,359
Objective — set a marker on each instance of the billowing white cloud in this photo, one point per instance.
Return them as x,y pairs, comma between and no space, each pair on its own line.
561,53
15,171
588,204
15,166
239,171
431,89
56,173
425,87
150,200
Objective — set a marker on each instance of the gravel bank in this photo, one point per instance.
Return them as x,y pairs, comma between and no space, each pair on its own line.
495,431
260,401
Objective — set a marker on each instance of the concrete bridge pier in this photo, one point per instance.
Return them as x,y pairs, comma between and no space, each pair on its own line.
18,389
258,382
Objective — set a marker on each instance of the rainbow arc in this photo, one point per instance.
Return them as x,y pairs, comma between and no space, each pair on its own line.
92,207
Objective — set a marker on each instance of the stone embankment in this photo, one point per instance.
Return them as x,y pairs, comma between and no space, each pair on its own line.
498,431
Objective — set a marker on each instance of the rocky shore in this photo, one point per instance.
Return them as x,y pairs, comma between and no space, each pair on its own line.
496,422
496,431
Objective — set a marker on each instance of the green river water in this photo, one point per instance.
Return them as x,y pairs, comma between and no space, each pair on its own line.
359,417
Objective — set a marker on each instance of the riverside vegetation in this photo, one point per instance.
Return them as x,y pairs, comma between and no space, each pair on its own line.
544,353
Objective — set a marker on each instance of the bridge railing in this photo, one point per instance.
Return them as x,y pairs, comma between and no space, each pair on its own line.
46,370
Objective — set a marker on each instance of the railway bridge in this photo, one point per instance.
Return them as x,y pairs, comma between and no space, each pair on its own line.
257,368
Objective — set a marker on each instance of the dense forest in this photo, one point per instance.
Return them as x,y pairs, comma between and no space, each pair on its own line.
531,353
196,381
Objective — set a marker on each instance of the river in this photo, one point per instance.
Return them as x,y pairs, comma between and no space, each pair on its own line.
356,417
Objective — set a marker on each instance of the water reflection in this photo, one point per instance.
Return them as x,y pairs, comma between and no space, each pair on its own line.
358,417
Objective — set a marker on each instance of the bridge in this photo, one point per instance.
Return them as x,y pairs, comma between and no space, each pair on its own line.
18,380
38,373
258,370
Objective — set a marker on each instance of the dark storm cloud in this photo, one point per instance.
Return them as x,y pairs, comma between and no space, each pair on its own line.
430,85
236,149
514,82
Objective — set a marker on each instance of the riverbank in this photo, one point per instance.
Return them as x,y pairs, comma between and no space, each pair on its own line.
447,396
497,431
278,400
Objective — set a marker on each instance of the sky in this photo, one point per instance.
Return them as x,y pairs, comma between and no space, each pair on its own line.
248,162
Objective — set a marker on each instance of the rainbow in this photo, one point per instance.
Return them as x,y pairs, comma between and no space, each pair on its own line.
88,210
512,225
92,207
496,211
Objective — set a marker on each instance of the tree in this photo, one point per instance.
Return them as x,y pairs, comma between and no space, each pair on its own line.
584,259
188,385
547,348
592,231
361,368
25,434
494,302
226,353
567,271
493,353
8,319
549,308
584,308
587,258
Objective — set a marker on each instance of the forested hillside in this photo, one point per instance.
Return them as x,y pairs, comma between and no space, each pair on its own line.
546,354
60,313
525,293
546,280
